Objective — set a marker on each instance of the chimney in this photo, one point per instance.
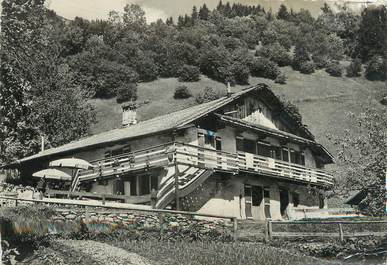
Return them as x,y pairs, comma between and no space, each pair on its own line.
129,115
228,89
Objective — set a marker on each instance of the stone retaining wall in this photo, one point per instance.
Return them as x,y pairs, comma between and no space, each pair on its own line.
140,223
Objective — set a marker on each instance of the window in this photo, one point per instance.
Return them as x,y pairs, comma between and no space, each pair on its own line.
266,195
295,199
249,146
239,144
257,195
285,154
264,149
144,184
218,143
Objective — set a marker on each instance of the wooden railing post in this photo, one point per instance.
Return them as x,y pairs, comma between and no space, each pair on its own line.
235,229
341,233
161,222
270,230
267,231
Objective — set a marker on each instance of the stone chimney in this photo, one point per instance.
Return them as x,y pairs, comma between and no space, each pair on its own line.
229,93
129,115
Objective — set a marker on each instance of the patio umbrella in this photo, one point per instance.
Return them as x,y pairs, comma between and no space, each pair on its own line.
71,163
52,173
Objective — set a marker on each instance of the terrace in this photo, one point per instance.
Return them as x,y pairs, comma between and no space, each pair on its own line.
173,154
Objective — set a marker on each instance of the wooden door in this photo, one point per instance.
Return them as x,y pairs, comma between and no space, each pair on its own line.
248,201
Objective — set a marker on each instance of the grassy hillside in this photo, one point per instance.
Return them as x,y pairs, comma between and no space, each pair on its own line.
323,101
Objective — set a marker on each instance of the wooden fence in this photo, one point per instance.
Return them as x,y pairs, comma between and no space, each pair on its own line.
325,229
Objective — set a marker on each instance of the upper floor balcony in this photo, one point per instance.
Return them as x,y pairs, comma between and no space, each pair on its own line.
206,158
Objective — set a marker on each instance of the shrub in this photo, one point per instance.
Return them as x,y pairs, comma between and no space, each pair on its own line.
240,73
320,61
334,69
182,92
206,95
263,67
307,67
354,68
281,79
276,53
127,92
300,56
376,69
189,73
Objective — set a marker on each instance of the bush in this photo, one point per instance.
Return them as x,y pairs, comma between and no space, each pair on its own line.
300,56
263,67
354,68
320,61
376,69
182,92
281,79
240,73
276,53
127,92
189,73
206,95
334,69
307,67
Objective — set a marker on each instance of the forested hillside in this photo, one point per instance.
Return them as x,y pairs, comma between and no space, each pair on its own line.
53,68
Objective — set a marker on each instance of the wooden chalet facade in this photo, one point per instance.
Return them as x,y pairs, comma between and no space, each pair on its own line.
242,155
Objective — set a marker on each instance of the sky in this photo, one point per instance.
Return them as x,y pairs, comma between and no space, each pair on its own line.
155,9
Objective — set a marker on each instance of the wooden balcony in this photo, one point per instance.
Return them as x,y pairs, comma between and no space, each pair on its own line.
199,157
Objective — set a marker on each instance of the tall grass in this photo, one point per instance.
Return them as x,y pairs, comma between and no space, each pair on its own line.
214,253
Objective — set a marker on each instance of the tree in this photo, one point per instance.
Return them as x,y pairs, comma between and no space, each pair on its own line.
204,12
134,17
300,56
194,15
362,154
283,13
372,33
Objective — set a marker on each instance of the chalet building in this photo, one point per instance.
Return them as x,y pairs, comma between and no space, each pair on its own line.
241,155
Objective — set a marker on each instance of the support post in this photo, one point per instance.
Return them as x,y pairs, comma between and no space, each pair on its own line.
161,221
177,182
153,198
266,231
103,199
270,230
341,233
235,229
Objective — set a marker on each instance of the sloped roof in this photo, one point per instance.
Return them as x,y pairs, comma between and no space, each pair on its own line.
158,124
171,121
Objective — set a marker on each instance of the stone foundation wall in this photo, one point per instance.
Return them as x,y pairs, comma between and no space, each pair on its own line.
141,223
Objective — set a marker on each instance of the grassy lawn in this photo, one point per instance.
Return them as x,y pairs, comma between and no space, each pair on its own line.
215,253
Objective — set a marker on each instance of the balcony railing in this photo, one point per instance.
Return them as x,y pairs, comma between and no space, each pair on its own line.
195,156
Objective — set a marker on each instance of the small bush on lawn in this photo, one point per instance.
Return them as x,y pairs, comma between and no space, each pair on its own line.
127,92
189,73
182,92
281,79
376,69
206,95
263,67
354,68
334,69
307,67
319,61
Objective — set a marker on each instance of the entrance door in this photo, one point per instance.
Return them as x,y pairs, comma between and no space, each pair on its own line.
253,201
284,202
248,201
